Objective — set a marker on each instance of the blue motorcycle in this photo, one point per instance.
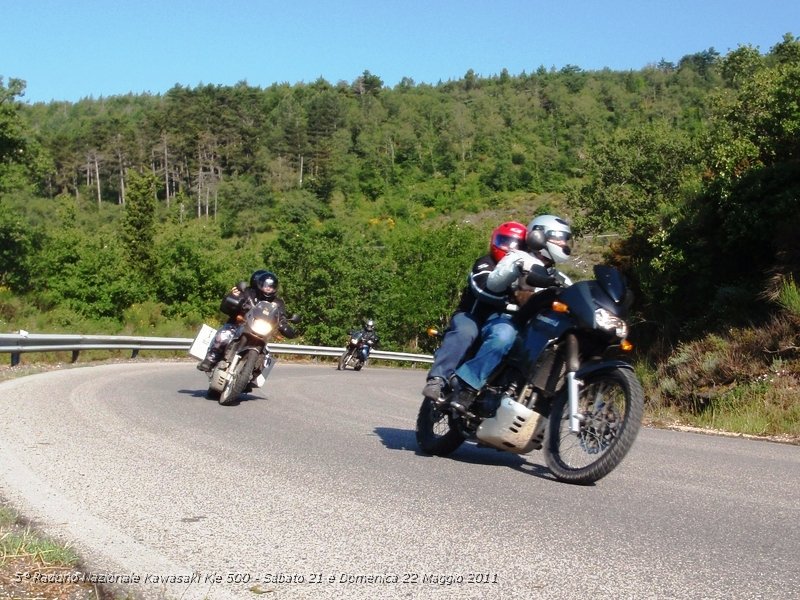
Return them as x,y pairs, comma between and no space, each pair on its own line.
563,386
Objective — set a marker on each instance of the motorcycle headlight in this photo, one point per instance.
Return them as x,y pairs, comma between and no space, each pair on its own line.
353,340
605,320
260,327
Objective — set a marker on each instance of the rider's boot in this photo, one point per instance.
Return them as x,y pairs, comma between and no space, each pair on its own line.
463,395
207,364
433,388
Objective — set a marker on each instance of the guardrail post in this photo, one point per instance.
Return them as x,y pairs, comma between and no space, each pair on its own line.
15,359
135,353
75,355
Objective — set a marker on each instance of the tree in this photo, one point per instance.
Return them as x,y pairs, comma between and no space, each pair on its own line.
16,249
21,159
636,180
138,226
12,139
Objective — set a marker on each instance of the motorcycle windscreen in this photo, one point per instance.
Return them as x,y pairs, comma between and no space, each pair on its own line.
613,287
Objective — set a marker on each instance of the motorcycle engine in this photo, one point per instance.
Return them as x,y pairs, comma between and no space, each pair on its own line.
488,403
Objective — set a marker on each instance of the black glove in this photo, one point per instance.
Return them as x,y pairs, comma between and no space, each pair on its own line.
539,277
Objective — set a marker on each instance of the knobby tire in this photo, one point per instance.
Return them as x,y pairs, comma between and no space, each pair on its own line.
609,430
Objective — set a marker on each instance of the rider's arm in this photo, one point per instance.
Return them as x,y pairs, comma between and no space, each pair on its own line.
477,283
506,272
284,325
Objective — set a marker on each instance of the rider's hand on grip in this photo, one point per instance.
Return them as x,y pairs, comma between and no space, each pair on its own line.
539,277
562,280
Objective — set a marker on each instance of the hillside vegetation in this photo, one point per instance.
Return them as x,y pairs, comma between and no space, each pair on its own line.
134,214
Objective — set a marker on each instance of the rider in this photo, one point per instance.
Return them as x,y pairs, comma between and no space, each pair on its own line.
368,334
263,286
548,241
476,305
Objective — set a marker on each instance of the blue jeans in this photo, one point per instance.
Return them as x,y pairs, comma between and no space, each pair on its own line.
497,336
460,335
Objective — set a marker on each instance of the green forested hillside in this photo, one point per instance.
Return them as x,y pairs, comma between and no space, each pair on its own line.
136,213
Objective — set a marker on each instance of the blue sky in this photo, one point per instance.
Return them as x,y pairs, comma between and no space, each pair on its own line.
72,49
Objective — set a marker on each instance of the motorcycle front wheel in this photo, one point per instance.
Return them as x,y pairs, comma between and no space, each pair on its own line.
436,431
239,377
343,360
611,406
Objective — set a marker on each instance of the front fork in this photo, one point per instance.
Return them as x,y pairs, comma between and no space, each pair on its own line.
573,384
574,393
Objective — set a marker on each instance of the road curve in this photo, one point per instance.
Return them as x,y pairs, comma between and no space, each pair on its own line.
313,488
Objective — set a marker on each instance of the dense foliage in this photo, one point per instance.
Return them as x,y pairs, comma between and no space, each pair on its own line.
137,212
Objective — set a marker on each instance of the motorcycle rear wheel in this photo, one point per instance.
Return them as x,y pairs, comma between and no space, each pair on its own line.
436,431
239,378
611,403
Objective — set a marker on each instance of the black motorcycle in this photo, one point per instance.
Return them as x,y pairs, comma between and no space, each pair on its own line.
356,352
562,385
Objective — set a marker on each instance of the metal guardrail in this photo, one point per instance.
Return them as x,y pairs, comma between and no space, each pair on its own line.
17,343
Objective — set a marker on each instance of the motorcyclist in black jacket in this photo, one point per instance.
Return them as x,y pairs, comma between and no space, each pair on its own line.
263,286
477,303
369,334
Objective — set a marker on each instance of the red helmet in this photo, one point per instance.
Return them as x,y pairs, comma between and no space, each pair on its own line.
505,237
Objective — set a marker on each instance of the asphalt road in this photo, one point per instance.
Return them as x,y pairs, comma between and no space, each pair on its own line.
313,488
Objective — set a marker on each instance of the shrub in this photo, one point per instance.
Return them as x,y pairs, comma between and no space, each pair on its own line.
789,297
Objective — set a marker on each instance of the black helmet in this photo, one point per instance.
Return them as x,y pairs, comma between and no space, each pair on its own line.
369,324
265,283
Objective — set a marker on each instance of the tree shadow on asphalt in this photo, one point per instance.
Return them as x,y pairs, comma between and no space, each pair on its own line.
469,452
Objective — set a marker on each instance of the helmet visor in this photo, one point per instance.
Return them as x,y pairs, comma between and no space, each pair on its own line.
268,286
562,239
507,242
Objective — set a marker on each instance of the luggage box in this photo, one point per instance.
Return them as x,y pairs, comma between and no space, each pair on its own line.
201,343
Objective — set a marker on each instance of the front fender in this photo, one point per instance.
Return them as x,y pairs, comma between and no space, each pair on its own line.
246,344
602,365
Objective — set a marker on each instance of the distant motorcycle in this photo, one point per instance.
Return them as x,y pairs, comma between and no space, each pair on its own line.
247,361
356,353
559,386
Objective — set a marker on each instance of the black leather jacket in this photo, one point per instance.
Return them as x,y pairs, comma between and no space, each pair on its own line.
249,297
476,299
370,335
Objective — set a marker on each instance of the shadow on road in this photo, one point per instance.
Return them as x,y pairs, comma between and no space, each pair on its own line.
246,397
469,452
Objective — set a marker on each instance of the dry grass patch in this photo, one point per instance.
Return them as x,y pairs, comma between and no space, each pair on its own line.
33,567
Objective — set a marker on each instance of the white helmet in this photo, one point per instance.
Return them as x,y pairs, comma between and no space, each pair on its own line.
551,236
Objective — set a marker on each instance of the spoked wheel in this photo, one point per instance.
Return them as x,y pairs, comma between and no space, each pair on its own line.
343,360
240,375
611,405
436,431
